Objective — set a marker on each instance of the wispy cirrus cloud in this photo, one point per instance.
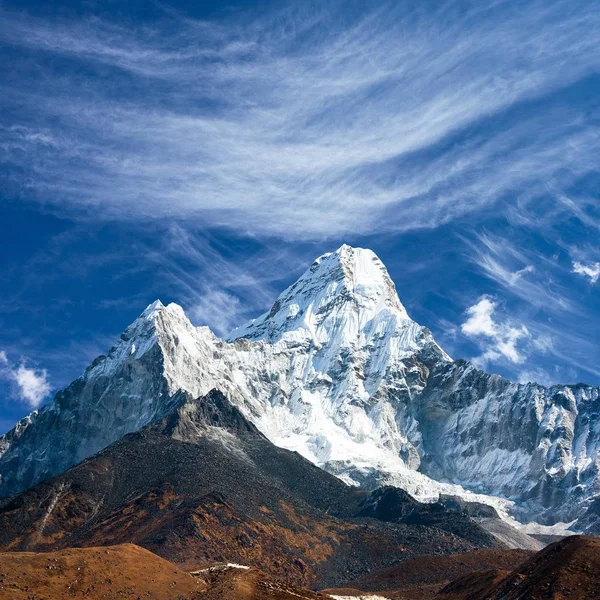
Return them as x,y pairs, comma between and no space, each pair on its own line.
300,124
217,284
538,375
286,125
506,262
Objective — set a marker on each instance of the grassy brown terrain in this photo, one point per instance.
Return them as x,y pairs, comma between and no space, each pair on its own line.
128,571
115,572
568,569
423,577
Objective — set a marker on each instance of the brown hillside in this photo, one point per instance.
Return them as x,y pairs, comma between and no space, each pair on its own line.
130,572
423,577
569,569
114,572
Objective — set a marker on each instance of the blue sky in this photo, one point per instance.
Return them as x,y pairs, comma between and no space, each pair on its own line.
205,154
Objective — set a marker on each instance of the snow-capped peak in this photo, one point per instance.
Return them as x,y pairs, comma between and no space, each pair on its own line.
343,290
158,325
157,308
157,305
364,277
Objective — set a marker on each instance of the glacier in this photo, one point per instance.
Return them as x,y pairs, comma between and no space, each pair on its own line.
337,371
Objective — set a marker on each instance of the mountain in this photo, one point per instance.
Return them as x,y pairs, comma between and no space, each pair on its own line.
566,569
203,485
338,372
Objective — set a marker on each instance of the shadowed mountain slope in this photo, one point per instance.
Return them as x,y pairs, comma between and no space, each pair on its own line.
566,569
423,577
203,485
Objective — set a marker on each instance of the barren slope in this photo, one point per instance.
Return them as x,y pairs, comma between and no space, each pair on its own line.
125,572
566,569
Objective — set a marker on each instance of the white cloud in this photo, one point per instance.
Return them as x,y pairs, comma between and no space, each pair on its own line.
517,275
497,340
32,385
538,375
480,320
310,126
591,270
218,309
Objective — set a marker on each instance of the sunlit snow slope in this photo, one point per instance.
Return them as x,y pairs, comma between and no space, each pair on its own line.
338,371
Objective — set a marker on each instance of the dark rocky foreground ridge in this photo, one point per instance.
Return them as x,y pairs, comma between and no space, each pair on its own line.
203,485
568,569
423,577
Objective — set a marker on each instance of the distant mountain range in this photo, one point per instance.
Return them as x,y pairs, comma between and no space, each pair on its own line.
338,372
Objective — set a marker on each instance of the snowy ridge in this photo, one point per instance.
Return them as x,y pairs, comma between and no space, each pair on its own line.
339,294
339,372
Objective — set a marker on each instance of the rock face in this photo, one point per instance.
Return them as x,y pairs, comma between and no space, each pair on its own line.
338,372
534,444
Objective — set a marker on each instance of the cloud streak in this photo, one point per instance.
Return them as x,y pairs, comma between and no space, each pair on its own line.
286,126
511,266
218,285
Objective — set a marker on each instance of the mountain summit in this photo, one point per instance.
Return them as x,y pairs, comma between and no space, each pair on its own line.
341,293
337,371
